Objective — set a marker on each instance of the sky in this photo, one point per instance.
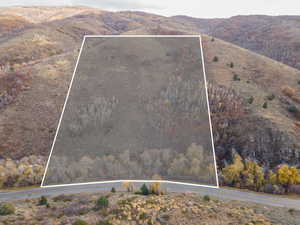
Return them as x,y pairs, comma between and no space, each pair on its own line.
195,8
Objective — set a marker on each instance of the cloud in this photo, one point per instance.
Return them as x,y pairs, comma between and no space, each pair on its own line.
119,4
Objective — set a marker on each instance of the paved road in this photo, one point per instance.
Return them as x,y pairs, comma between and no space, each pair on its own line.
220,193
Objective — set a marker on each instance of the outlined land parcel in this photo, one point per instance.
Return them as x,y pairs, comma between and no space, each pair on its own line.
137,109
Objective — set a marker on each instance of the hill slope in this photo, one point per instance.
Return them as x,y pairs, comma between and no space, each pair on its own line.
277,37
29,119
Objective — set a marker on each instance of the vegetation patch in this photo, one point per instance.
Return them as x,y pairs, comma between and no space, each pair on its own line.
102,202
250,100
113,190
292,109
250,175
215,59
80,222
236,77
6,208
43,200
206,198
265,105
270,97
62,198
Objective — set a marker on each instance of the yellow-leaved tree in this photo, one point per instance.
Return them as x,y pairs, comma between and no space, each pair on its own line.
287,176
232,173
253,176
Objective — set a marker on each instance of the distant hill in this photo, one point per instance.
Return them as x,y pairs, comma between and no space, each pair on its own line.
39,14
277,37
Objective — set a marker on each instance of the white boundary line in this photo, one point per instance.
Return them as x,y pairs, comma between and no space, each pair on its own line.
64,107
135,181
208,109
146,181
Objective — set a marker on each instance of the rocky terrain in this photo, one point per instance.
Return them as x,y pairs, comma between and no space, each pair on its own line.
246,90
107,208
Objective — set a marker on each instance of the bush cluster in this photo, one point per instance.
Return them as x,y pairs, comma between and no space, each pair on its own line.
236,77
250,100
153,189
43,201
113,190
6,208
265,105
206,198
249,174
102,202
270,97
293,109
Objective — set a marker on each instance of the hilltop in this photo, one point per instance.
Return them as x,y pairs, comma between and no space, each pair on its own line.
40,14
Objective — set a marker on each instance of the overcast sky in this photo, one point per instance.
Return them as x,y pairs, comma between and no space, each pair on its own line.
195,8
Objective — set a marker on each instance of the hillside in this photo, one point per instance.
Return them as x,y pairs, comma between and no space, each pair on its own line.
11,22
39,14
277,37
38,78
127,208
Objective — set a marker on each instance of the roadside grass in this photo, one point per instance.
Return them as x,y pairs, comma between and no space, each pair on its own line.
12,189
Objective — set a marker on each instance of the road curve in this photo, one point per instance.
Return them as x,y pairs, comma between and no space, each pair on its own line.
216,192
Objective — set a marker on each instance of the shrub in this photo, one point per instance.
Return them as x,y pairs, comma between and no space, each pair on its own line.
253,176
6,208
291,211
271,97
232,173
80,222
231,65
212,39
143,216
144,190
287,176
265,105
104,222
288,91
43,201
292,109
250,100
113,190
298,82
206,198
62,198
155,188
102,202
128,185
236,77
215,59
